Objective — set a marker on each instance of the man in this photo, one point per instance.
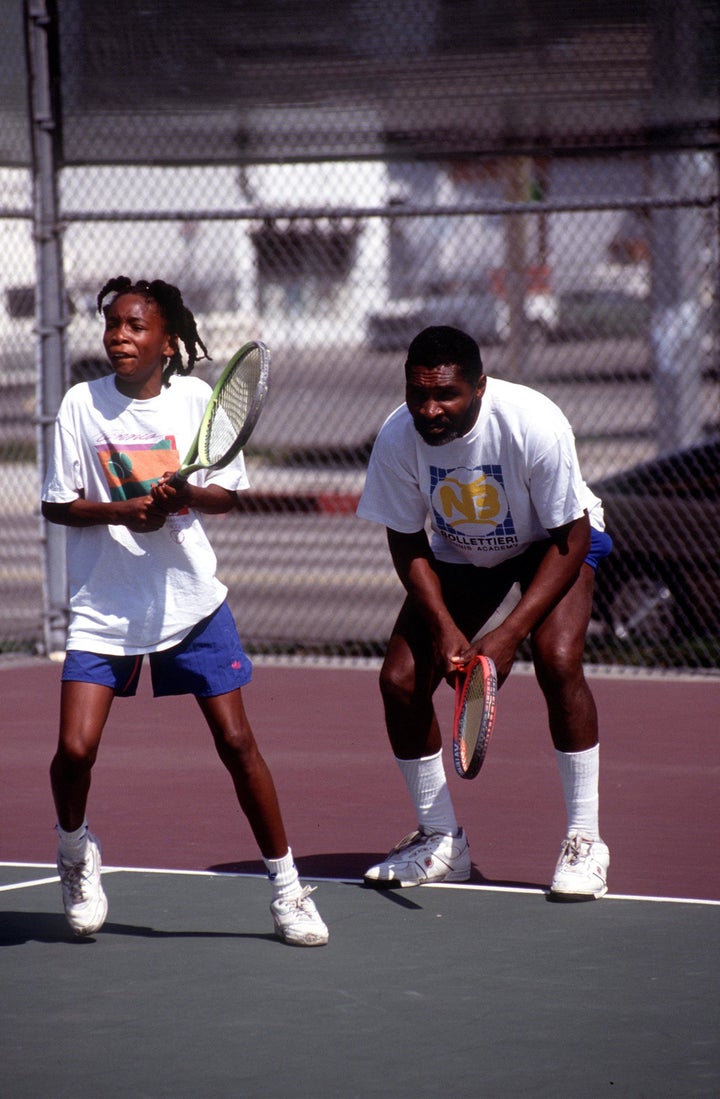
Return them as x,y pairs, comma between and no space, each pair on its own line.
494,468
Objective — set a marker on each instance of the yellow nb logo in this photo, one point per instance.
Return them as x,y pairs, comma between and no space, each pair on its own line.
476,502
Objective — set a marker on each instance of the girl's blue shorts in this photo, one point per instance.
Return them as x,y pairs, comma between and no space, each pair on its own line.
209,661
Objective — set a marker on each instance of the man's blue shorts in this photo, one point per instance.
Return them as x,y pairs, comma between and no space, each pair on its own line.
209,661
601,545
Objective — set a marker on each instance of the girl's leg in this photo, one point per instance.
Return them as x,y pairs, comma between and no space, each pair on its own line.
254,786
297,920
84,708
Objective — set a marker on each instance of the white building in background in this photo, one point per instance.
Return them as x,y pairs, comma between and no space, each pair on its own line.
315,278
306,279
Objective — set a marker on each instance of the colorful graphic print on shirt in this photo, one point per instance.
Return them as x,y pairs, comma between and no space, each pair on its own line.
131,469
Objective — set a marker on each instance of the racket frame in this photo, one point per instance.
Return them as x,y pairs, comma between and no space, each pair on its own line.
194,460
483,665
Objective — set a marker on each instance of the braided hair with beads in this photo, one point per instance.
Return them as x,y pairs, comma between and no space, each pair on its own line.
178,318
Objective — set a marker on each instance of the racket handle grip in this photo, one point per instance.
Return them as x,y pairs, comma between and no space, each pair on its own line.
177,480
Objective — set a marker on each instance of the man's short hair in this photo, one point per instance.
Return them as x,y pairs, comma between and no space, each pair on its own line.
441,345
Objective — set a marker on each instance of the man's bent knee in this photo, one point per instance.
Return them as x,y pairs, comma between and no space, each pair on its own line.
396,684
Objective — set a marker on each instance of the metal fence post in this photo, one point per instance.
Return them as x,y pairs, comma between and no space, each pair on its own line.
51,299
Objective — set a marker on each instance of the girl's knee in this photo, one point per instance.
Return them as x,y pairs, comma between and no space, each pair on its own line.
74,755
237,748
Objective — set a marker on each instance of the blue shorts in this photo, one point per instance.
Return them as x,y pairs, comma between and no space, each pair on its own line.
601,545
209,661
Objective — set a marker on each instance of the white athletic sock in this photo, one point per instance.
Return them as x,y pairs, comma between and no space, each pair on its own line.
283,876
73,845
579,772
428,788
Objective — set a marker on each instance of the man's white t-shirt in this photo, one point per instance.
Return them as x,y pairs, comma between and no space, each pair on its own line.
134,593
488,495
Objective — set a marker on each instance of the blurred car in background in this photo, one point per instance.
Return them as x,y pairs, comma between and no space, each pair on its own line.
481,315
662,579
572,315
473,306
600,315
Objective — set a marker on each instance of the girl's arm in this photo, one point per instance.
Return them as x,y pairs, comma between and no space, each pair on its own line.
211,499
140,514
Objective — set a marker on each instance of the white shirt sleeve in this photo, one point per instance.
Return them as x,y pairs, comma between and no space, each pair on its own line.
557,489
392,494
63,477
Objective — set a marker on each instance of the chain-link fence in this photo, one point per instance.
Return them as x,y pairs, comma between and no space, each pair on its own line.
586,266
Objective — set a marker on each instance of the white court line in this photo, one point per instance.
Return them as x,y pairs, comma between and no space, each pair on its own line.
27,884
346,881
38,881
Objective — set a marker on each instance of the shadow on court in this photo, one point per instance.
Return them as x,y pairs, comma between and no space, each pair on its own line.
351,865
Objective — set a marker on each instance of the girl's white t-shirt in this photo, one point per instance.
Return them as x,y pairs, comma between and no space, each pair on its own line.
488,495
134,593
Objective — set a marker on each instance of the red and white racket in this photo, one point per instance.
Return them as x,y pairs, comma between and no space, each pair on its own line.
475,700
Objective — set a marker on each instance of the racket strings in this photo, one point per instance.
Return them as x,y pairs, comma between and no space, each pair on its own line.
474,716
471,714
231,410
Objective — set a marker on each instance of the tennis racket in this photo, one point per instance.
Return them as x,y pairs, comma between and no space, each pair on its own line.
232,411
475,698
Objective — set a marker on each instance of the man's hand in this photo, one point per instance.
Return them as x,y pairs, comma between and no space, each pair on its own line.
500,645
450,649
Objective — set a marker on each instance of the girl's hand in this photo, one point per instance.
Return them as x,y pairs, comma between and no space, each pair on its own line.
141,516
169,496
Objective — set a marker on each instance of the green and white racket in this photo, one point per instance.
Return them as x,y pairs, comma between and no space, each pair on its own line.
232,412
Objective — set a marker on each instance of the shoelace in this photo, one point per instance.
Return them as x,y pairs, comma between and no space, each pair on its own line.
417,839
574,853
74,877
299,901
412,839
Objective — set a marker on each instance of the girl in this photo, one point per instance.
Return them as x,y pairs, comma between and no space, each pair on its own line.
142,580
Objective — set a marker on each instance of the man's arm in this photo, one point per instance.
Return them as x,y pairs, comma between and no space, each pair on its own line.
413,561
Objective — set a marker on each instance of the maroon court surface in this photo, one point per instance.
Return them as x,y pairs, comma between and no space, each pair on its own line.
161,799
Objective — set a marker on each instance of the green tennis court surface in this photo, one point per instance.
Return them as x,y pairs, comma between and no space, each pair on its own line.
437,991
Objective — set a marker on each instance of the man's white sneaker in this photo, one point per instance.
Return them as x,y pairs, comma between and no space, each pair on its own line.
581,870
298,922
84,900
421,858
